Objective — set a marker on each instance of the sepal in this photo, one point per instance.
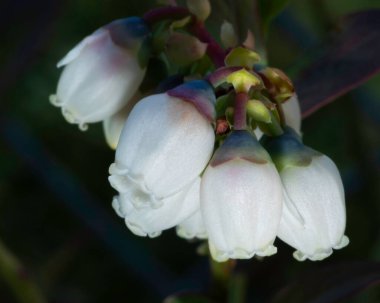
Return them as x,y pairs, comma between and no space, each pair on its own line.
240,144
200,93
288,150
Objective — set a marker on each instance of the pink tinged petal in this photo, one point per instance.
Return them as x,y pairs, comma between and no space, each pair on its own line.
241,206
192,227
151,222
315,194
199,93
165,145
101,72
98,80
75,52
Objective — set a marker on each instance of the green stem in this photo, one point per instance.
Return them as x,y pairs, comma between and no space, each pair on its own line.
237,288
15,275
221,275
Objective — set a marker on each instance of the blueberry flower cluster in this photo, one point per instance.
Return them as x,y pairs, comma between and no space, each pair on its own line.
218,156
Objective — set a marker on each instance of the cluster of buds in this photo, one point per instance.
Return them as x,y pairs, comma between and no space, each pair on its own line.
214,149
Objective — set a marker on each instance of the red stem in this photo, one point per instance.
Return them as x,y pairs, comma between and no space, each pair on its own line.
214,50
167,12
240,111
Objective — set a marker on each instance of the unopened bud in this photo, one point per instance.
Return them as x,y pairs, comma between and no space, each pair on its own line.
183,49
278,83
200,8
258,111
228,35
241,56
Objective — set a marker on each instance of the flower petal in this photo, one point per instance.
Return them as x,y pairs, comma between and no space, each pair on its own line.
151,222
316,191
165,144
192,227
241,206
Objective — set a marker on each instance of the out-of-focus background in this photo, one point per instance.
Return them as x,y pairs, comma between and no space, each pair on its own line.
55,200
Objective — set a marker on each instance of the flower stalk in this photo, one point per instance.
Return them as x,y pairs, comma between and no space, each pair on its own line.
214,50
240,112
167,12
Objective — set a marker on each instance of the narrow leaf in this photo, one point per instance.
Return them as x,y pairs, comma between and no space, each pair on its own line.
269,9
331,284
187,298
351,58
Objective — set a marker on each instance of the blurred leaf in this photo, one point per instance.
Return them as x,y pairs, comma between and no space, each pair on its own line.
268,10
350,59
331,284
187,298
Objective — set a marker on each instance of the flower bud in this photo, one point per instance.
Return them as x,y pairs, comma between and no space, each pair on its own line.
228,35
241,199
149,221
278,84
164,146
102,72
200,8
314,215
183,49
292,112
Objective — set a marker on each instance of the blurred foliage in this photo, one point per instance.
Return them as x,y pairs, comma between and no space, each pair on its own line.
76,260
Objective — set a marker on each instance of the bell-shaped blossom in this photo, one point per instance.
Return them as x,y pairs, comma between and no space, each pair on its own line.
165,144
314,215
150,221
102,72
292,112
192,227
113,125
241,199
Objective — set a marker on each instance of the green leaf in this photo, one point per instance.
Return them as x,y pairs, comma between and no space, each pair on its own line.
187,298
268,10
331,284
349,59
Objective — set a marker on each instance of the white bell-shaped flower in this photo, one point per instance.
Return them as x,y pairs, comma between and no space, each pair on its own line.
192,227
241,199
149,221
314,214
165,144
101,73
113,125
